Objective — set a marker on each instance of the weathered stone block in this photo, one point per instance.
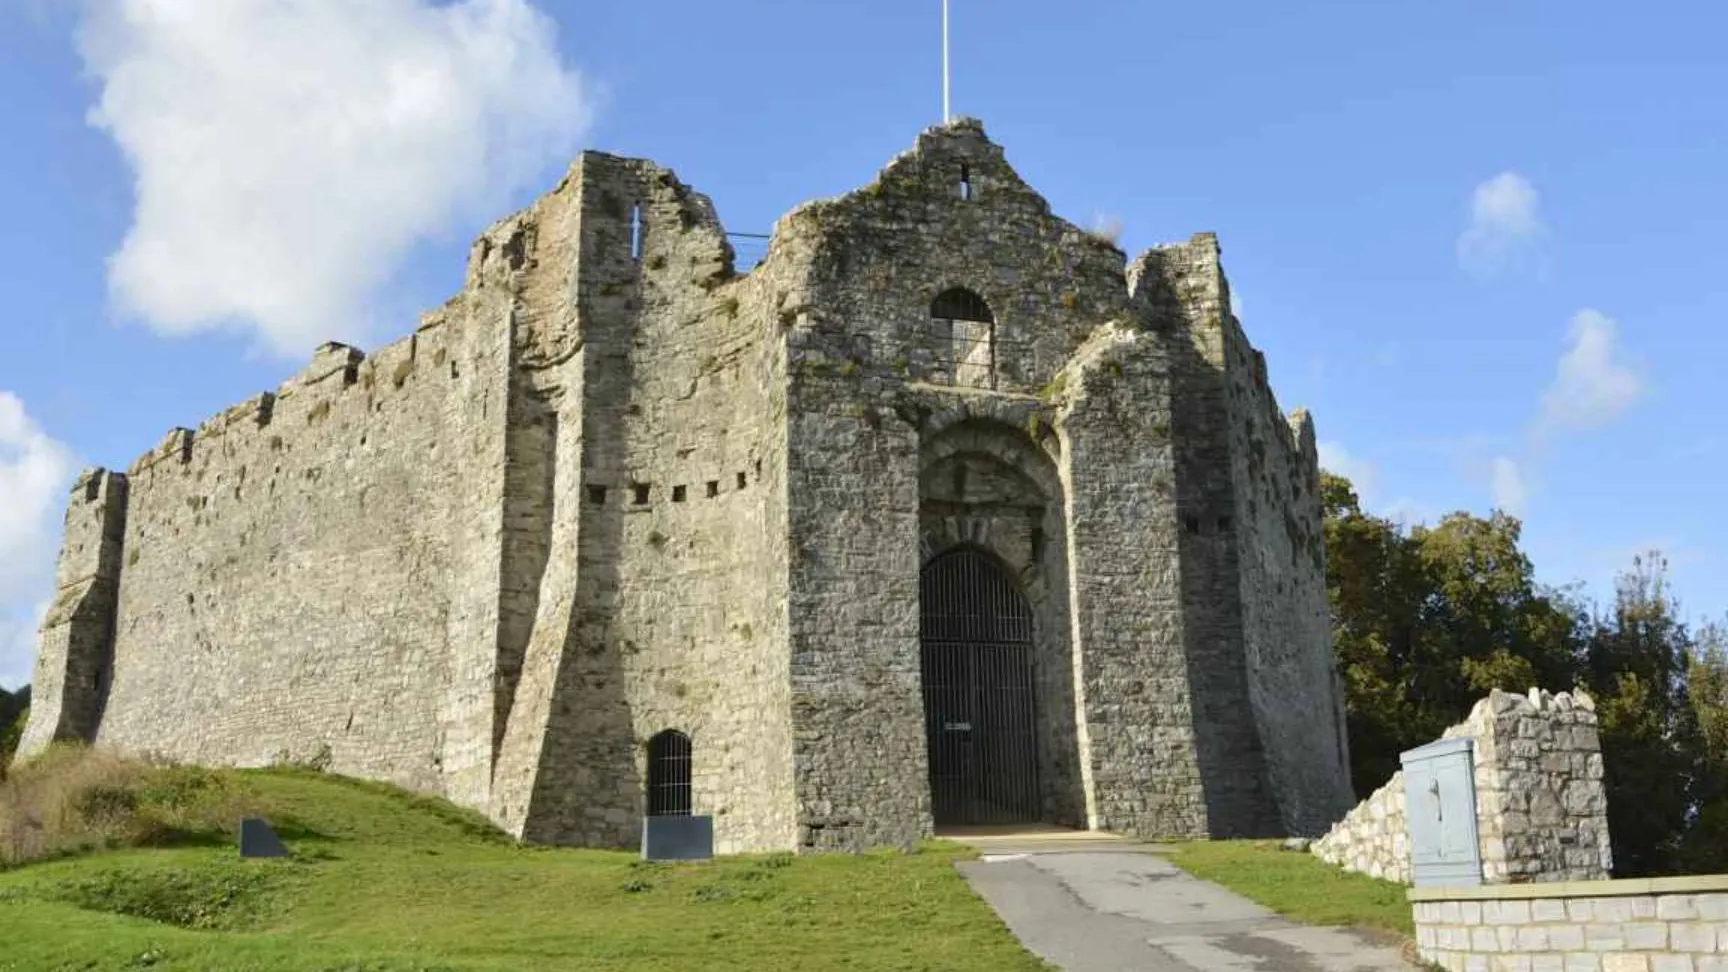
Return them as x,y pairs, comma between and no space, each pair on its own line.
1548,909
1692,936
1677,907
1647,936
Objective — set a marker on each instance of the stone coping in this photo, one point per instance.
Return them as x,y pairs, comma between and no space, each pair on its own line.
1694,884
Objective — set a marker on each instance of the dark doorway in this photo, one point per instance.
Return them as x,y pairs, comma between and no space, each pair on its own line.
978,692
669,774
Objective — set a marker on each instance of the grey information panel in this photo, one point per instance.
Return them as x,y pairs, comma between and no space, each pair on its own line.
680,838
258,839
1440,812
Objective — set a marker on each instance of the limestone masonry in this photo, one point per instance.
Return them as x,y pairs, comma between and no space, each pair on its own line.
1541,809
944,513
1639,925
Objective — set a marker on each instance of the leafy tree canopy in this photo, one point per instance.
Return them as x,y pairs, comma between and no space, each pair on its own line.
1428,619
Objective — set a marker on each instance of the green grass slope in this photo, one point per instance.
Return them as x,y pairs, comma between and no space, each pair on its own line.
1298,885
383,881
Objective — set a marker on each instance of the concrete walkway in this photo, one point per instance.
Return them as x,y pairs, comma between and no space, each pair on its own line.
1096,903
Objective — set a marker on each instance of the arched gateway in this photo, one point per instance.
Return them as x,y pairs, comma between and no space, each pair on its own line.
979,693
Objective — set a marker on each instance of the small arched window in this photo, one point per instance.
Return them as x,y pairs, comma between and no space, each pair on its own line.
964,331
669,774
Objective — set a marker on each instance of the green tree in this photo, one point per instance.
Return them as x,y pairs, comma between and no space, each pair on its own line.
14,712
1428,620
1639,661
1377,594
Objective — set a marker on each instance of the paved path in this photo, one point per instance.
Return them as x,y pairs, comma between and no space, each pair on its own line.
1100,904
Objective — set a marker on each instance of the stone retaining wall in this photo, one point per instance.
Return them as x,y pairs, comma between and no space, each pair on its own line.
1647,925
1541,811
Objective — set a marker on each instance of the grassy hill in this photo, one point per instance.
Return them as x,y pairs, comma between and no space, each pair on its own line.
384,881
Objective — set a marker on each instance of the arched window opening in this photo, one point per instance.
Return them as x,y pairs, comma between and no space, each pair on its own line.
964,330
965,182
669,774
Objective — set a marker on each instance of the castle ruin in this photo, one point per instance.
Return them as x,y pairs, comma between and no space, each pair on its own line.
944,513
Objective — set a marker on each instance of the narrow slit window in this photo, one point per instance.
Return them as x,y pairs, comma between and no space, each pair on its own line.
965,182
669,774
742,481
636,232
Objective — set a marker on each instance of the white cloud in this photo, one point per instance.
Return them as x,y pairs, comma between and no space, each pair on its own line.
1335,459
1591,385
287,155
1505,226
35,473
1507,486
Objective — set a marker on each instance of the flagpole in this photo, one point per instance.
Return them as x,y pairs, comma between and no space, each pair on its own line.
946,116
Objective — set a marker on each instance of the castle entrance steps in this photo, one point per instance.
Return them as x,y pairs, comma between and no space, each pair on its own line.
994,842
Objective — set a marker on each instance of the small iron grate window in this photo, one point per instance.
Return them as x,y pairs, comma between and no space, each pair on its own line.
964,337
669,774
960,304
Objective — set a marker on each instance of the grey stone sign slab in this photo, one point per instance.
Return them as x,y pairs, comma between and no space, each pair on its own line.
677,838
258,839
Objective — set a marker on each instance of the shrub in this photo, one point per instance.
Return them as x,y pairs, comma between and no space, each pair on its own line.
10,735
218,894
72,799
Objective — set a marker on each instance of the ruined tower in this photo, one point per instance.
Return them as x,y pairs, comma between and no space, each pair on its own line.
945,512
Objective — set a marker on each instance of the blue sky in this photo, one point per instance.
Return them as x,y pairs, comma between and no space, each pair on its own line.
1480,241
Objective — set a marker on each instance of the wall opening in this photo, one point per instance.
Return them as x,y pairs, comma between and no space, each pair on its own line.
963,329
988,488
669,759
965,182
979,692
636,231
641,497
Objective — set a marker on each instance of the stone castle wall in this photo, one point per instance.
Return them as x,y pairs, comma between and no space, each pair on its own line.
873,403
1253,563
1648,925
291,576
68,693
1541,811
615,488
674,490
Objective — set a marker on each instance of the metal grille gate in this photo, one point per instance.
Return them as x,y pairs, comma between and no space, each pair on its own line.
978,692
669,774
